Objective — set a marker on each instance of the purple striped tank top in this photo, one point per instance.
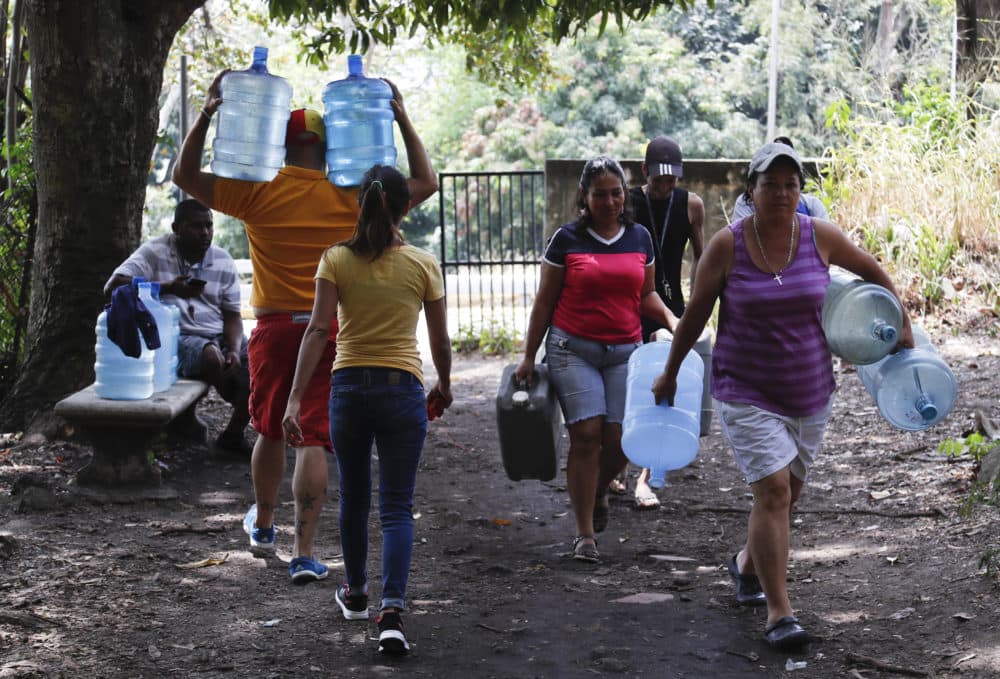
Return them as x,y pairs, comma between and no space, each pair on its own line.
771,351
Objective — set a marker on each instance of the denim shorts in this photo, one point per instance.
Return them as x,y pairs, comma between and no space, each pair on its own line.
764,442
589,377
190,348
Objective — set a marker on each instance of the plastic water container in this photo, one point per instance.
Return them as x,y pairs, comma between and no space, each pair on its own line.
528,425
861,320
175,315
164,358
250,138
662,437
913,388
703,347
358,118
168,340
117,376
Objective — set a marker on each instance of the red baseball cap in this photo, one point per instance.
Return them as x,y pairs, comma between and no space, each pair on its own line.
305,128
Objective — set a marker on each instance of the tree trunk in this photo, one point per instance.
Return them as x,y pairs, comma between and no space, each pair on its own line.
91,163
977,24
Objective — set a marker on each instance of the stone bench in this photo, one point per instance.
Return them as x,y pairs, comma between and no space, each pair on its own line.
121,431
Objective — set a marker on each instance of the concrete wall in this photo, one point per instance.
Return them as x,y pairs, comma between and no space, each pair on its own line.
718,182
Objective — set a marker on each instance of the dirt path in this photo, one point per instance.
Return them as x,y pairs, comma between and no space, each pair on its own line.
884,564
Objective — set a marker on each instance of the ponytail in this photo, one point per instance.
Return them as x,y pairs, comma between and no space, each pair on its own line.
384,198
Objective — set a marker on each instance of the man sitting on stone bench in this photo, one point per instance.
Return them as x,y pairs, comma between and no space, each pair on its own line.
201,280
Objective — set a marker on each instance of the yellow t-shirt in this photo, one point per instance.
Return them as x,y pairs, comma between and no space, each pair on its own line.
290,221
379,304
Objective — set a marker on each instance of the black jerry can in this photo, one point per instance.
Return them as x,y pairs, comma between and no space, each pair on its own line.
528,423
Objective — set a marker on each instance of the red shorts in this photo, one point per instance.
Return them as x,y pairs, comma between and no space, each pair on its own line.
272,352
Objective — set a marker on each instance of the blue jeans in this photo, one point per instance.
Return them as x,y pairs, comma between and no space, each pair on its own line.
386,406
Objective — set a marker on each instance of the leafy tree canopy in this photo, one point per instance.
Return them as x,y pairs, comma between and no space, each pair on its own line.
505,40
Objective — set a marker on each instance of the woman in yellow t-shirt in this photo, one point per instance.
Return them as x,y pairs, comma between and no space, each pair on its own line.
377,284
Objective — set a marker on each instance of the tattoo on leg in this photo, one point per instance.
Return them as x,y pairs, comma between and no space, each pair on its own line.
308,502
300,526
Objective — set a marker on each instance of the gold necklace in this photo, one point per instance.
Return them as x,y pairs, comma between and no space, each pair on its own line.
791,242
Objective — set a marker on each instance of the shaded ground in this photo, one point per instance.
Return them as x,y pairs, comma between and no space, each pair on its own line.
885,566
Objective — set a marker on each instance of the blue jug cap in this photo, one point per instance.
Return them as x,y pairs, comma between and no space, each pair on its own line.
136,280
259,59
926,408
354,65
154,287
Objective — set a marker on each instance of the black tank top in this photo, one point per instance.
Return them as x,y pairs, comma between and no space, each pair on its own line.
669,246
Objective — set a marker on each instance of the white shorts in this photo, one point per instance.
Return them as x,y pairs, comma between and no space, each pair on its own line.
764,443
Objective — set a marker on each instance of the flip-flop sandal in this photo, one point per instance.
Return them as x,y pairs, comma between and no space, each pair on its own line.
647,501
618,485
585,551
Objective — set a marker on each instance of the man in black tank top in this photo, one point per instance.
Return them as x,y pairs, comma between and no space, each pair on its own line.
673,217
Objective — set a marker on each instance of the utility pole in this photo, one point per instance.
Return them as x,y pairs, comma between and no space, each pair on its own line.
772,79
183,110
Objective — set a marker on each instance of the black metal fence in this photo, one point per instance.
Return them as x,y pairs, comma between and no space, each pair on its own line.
492,238
18,225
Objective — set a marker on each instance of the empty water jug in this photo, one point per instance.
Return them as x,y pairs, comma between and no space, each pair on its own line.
175,326
528,425
250,138
662,437
861,320
164,358
703,347
913,388
358,118
117,376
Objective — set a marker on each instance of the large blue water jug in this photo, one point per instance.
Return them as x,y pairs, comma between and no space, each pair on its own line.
164,358
250,138
175,325
861,320
661,437
358,118
117,376
703,347
914,388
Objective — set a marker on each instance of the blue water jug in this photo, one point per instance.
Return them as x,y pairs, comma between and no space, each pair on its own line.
175,324
164,358
661,437
250,138
117,376
358,118
861,320
914,388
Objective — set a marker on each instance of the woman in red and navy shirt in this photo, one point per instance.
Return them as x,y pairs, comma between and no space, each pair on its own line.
596,281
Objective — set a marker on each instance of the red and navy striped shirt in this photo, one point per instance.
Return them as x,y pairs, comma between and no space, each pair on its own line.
603,282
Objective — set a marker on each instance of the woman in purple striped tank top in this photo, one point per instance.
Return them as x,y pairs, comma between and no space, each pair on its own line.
772,373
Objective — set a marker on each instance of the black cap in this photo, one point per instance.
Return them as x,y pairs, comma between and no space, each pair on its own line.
663,156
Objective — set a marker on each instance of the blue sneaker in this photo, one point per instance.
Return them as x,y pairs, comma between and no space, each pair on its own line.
303,570
261,538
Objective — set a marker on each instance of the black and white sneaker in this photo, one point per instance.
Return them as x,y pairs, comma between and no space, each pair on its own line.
353,606
391,640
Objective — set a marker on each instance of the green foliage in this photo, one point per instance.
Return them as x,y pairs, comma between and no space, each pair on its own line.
980,493
504,41
492,338
18,223
915,182
975,445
